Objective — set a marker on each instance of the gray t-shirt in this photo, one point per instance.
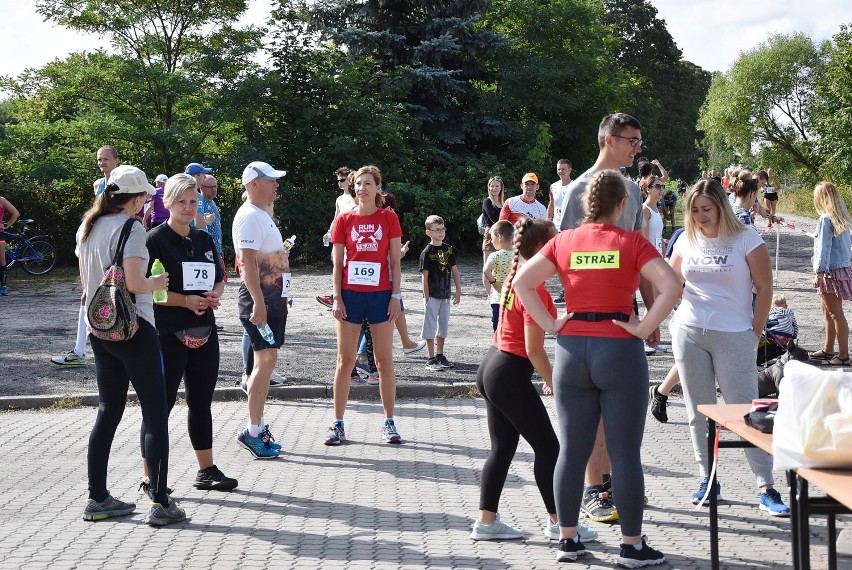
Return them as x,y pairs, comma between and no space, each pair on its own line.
573,210
96,255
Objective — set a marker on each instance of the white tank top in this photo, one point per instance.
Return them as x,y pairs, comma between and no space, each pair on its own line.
655,229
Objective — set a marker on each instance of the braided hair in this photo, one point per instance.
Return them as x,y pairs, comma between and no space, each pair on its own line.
606,189
530,236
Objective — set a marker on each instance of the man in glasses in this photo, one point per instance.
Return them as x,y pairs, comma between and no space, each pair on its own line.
344,203
619,141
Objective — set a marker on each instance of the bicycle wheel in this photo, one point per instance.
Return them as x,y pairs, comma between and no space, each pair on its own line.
39,258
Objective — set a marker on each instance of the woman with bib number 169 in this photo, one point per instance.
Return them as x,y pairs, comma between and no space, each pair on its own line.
366,281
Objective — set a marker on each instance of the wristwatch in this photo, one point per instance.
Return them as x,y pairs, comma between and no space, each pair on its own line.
397,296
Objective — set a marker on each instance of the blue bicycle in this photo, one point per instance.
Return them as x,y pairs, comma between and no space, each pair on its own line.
36,254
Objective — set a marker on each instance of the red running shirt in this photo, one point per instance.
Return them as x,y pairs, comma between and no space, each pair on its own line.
599,267
509,336
367,243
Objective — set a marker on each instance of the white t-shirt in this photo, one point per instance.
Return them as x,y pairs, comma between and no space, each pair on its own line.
557,194
254,229
717,295
96,255
655,229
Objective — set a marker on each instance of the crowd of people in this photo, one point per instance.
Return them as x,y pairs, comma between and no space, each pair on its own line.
601,234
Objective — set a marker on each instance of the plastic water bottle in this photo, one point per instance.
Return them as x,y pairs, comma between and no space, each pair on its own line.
326,239
160,295
290,242
266,333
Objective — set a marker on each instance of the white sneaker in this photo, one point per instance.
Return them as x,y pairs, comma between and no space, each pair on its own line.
276,379
419,346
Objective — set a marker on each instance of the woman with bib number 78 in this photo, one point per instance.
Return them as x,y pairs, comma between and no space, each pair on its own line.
366,285
185,322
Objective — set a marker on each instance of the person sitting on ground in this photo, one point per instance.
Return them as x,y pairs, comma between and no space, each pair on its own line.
513,405
497,266
781,323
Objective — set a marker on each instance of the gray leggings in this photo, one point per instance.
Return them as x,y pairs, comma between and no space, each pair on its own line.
594,377
705,357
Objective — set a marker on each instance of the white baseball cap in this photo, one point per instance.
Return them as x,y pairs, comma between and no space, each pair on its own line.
261,170
161,178
130,180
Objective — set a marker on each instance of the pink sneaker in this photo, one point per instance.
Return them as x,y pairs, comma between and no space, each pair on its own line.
373,379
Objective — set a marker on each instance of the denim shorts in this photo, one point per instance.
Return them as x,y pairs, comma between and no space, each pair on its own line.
372,306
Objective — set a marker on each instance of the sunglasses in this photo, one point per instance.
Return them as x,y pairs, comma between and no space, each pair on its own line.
341,180
658,186
188,249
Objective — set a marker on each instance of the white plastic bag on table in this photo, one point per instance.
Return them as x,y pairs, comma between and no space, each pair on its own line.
813,426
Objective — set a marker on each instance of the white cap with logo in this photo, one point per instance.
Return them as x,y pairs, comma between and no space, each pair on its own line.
130,180
261,170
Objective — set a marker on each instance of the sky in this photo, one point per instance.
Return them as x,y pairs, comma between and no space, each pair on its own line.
711,33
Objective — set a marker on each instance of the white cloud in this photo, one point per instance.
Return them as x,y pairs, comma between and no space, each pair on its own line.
712,34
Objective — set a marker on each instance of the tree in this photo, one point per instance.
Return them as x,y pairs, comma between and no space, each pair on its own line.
432,51
766,98
176,69
833,110
553,81
666,93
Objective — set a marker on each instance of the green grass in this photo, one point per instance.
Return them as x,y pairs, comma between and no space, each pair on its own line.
38,283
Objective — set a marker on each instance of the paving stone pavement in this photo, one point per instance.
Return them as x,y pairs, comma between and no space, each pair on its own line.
364,504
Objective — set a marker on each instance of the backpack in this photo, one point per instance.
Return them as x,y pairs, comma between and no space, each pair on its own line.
112,309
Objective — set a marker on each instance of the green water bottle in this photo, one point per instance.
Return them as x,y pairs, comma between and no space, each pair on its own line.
160,295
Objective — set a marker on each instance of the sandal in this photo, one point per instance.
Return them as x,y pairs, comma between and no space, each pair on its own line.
837,361
821,355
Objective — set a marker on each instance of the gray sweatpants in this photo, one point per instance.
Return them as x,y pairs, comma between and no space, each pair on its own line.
593,378
705,357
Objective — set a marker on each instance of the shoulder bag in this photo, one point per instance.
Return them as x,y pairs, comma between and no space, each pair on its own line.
112,309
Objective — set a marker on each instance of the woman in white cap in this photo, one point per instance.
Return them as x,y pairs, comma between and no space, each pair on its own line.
135,360
155,212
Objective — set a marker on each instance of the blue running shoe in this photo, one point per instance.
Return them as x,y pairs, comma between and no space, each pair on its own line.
389,433
770,501
702,490
256,445
266,436
336,434
108,508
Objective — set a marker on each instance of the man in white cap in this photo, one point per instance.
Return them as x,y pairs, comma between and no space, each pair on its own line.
262,300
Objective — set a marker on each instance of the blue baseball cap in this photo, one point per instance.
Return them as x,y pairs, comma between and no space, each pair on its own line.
195,168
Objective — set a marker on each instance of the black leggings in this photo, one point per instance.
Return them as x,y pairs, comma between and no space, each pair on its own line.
199,368
514,409
136,361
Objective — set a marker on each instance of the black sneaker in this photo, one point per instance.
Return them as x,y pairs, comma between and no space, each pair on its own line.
442,360
560,300
211,479
569,550
145,485
629,557
434,364
658,404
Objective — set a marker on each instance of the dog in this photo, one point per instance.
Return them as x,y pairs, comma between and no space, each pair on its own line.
769,379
